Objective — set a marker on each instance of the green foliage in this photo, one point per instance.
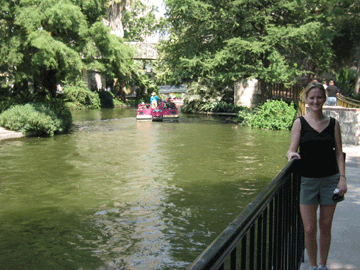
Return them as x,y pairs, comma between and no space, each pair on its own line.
204,92
346,80
273,114
37,118
79,97
220,107
136,27
245,116
48,41
275,41
107,99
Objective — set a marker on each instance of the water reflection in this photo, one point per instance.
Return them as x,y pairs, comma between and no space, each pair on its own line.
121,194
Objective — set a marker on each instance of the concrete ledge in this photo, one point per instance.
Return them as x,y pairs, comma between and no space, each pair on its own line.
8,134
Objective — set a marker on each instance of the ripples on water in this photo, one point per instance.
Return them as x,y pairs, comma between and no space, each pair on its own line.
121,194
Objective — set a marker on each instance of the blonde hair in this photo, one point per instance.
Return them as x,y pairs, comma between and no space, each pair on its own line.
314,85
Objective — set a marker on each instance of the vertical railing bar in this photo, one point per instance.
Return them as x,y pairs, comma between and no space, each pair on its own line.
291,224
233,259
293,232
288,222
244,253
298,219
281,231
259,242
286,226
300,224
295,211
276,233
271,234
252,247
265,240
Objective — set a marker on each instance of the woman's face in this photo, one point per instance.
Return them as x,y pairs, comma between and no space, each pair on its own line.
315,99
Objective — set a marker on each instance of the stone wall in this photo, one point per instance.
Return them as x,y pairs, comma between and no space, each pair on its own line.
247,93
349,119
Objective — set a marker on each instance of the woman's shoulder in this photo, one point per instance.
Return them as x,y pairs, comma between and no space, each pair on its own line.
333,121
299,120
297,124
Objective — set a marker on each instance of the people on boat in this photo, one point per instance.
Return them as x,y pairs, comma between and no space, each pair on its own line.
170,104
143,106
154,100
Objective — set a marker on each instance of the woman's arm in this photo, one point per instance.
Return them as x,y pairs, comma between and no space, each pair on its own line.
340,159
295,141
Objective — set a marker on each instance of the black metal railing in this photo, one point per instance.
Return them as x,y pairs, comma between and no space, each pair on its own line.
268,234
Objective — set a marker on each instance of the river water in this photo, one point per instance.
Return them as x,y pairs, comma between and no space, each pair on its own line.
115,193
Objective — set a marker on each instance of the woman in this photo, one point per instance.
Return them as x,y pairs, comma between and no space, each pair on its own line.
322,170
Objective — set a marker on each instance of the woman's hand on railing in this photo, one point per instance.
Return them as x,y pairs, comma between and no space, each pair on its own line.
292,155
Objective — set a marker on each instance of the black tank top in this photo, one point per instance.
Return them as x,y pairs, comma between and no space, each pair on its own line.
317,150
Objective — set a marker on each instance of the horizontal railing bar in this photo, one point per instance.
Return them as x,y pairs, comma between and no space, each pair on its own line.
225,242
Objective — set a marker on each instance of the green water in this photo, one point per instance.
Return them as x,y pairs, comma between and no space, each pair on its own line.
115,193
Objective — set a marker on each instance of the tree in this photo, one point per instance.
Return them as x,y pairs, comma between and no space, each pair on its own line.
346,42
47,41
227,41
139,21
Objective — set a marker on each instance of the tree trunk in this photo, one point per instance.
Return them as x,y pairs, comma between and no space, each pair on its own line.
357,81
115,15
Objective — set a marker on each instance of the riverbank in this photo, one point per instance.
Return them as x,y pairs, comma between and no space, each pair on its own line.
6,134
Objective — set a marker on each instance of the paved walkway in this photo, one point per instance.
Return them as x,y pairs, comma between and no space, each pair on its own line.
8,134
345,246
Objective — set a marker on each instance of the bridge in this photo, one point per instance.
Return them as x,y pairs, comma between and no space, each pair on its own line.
166,89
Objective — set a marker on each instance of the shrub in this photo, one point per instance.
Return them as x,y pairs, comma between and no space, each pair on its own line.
273,114
244,116
346,81
82,97
106,99
37,118
203,93
220,107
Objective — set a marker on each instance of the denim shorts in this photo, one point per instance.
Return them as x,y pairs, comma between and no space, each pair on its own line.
314,191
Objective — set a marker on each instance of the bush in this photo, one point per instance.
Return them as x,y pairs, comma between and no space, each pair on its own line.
82,97
220,107
37,118
273,114
244,116
346,81
203,94
106,99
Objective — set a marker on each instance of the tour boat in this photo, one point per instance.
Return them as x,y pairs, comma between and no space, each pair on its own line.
163,111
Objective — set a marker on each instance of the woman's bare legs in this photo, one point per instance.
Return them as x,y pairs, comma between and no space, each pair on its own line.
325,223
308,214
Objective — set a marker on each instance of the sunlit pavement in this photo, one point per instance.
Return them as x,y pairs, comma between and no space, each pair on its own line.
345,246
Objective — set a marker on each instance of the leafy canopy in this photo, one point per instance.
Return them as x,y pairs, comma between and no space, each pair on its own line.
47,41
231,40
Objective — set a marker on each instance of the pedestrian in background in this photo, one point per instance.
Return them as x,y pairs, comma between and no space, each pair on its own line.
332,91
324,84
